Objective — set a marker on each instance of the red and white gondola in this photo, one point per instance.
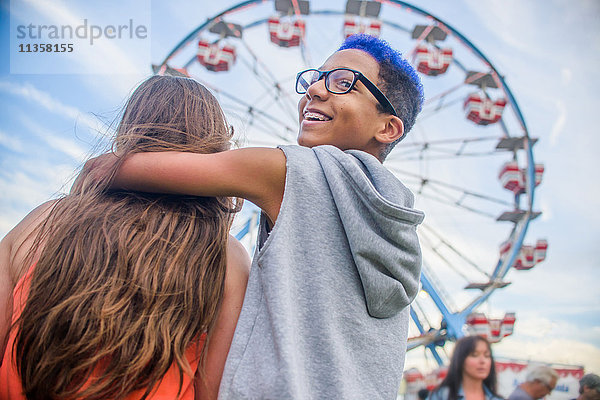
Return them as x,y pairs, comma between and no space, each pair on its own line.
215,56
368,26
286,32
529,256
432,61
483,110
492,329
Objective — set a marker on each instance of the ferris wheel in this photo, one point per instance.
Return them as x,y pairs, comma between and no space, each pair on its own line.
469,160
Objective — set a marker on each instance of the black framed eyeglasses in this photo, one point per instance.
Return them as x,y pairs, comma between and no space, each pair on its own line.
341,81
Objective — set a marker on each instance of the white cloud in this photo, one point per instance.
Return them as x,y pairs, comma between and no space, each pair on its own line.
533,326
31,93
552,350
510,16
58,13
560,122
567,75
126,66
546,209
29,184
54,141
11,142
552,288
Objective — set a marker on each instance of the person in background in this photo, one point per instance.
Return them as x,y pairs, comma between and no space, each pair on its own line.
539,382
589,387
471,374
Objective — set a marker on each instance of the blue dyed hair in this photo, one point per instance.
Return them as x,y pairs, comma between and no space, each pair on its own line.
398,80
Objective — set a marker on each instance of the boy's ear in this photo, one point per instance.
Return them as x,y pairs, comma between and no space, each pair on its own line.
392,130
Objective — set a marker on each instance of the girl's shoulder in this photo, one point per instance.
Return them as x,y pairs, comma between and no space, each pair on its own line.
16,245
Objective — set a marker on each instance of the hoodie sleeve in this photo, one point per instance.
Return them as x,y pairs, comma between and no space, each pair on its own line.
376,211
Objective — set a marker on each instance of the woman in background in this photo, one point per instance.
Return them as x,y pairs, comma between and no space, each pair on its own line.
471,374
120,295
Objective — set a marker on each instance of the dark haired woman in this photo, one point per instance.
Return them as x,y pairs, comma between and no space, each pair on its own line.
125,295
471,374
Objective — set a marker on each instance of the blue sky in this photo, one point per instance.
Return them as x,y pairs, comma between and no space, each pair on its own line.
547,52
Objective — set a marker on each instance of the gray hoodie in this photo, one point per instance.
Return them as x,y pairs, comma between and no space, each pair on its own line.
326,309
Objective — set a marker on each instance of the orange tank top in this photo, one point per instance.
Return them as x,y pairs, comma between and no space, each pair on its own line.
10,382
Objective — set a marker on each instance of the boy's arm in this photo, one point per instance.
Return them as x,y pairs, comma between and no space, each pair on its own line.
256,174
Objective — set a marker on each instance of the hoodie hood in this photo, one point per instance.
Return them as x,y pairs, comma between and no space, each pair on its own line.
380,224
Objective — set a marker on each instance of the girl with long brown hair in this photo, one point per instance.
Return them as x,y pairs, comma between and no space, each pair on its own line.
120,295
471,374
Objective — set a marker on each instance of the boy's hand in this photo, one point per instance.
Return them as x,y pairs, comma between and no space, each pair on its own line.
94,171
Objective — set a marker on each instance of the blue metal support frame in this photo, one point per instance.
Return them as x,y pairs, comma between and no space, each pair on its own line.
454,321
430,346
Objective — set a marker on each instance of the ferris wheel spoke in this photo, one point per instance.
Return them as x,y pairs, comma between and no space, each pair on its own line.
274,92
452,140
265,128
504,128
443,94
418,41
452,248
257,120
416,151
447,154
190,62
269,103
431,111
303,43
425,153
421,146
262,125
268,129
427,242
422,314
451,156
464,192
268,77
440,292
265,81
250,108
458,205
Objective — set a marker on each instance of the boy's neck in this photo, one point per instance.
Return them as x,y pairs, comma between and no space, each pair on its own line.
366,151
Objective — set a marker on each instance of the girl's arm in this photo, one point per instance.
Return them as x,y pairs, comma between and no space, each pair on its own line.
256,174
236,278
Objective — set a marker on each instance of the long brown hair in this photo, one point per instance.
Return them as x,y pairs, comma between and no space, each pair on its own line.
126,282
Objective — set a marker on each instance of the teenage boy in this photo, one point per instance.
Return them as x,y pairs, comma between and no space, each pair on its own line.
338,261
